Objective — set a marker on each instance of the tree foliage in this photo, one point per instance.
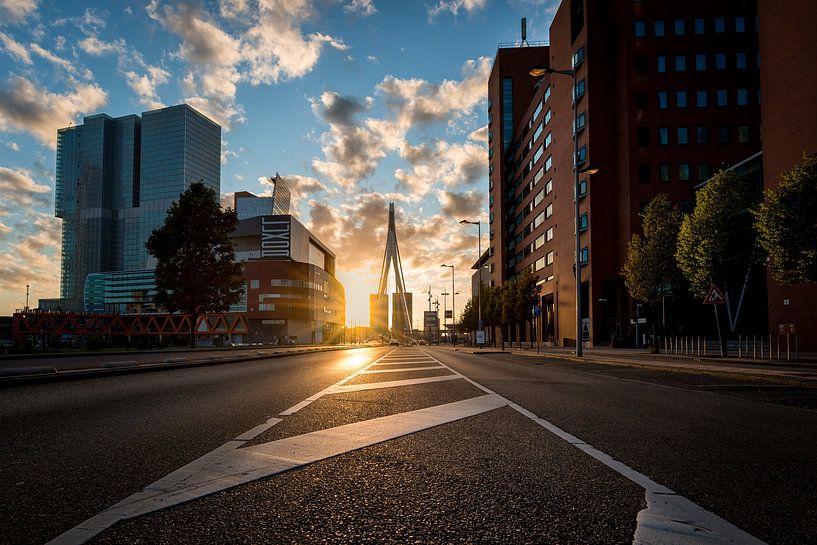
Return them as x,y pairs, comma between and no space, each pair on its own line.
716,241
527,294
468,318
195,268
650,269
787,224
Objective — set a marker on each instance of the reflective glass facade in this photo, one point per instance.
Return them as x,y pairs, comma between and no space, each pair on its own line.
116,178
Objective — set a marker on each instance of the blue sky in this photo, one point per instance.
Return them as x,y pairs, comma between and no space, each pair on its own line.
355,102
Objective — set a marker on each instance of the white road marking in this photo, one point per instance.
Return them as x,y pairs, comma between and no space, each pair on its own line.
228,466
433,367
669,519
390,384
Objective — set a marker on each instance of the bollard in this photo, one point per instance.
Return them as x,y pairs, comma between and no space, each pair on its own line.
754,347
770,346
705,346
747,346
796,348
788,353
778,347
740,346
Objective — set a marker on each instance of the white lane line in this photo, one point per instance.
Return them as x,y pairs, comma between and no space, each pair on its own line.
432,367
241,466
390,384
669,519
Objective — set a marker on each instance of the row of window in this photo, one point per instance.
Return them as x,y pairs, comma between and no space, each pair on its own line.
702,135
679,26
702,98
701,61
682,172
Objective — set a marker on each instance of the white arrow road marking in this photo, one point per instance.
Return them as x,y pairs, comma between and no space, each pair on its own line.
232,467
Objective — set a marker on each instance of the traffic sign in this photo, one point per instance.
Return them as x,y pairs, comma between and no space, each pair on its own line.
537,310
714,296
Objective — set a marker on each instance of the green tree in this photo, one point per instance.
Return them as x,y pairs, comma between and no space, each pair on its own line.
716,242
508,296
650,269
787,224
468,318
195,261
492,308
527,296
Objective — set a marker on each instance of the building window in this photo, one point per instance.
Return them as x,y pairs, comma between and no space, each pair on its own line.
703,172
549,234
507,113
643,174
662,63
643,137
579,90
547,93
701,97
549,258
538,153
662,100
584,255
683,135
641,64
663,172
539,264
743,97
548,187
641,100
700,62
740,61
582,155
683,172
663,136
722,97
640,29
548,162
700,26
720,61
578,57
548,211
582,188
703,135
538,176
680,27
583,221
740,23
538,198
720,25
548,114
549,139
539,242
680,63
723,135
537,133
254,284
743,134
681,99
659,27
581,119
538,110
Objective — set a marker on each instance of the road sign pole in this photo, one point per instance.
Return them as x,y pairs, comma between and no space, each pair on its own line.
718,323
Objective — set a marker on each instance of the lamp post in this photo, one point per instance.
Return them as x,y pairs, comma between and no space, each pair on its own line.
540,71
445,295
479,269
453,312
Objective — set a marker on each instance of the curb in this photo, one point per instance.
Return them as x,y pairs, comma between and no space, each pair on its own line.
37,375
749,377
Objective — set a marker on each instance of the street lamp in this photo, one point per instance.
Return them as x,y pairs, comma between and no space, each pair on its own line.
540,71
453,312
479,268
445,295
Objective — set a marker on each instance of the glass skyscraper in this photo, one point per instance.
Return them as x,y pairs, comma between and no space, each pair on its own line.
115,180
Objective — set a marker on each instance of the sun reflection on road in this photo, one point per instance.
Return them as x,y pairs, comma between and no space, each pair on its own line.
353,360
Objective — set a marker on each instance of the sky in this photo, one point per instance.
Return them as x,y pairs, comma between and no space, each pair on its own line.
356,103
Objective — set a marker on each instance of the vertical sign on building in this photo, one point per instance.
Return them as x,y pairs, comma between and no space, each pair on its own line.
275,240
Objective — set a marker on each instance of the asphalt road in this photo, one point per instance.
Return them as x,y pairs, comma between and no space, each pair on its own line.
71,450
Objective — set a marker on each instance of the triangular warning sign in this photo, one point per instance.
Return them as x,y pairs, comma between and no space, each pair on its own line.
714,296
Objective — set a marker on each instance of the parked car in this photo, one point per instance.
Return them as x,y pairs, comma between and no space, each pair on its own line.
394,342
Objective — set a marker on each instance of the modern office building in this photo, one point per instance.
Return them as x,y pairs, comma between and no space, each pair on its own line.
788,83
115,180
292,292
666,94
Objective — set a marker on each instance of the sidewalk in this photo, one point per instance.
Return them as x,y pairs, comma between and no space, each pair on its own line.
802,373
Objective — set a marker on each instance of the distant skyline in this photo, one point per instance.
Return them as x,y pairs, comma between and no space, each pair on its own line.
356,103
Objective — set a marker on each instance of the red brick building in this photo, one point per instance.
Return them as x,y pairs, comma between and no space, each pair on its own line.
788,83
666,93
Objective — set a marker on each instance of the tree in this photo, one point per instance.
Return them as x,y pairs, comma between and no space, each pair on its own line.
527,295
195,261
716,243
787,224
650,270
509,305
468,318
492,308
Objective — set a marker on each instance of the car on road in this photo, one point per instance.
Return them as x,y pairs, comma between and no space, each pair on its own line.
394,342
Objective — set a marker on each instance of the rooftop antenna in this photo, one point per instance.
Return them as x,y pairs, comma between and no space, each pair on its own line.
524,31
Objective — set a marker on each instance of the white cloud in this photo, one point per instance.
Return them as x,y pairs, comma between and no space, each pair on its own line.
12,145
96,47
15,49
19,187
56,60
16,11
454,6
25,107
361,7
145,85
